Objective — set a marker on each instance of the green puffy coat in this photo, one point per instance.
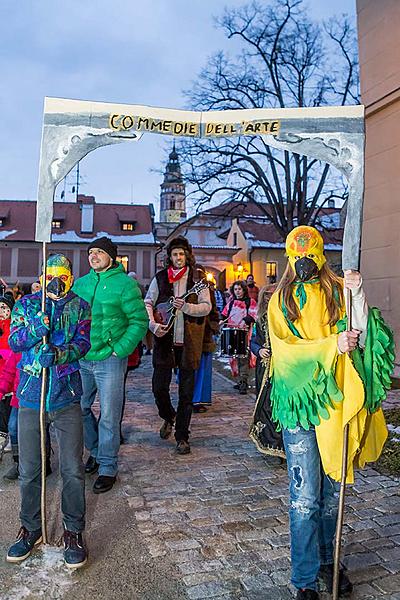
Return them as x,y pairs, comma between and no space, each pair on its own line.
119,317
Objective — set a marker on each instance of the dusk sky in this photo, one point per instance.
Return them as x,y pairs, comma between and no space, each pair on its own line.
132,52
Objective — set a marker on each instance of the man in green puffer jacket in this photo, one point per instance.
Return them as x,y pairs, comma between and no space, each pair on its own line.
119,322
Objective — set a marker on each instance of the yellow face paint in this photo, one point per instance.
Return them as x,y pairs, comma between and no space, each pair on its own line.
304,241
63,274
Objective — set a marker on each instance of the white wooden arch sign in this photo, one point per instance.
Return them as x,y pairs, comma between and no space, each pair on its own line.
73,128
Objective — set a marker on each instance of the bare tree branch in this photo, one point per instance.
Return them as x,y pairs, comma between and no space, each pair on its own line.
285,60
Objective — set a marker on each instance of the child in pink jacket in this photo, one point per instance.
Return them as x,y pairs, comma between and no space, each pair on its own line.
9,379
6,305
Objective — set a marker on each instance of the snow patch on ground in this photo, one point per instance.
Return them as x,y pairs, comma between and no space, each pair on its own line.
224,362
396,431
42,575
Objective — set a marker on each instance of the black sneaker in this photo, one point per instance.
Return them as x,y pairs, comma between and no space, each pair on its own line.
91,465
166,430
75,553
103,483
326,575
307,595
12,473
182,447
23,545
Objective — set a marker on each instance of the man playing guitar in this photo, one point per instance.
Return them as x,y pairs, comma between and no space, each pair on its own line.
179,345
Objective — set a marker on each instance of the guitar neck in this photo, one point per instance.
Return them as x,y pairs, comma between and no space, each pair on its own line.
193,290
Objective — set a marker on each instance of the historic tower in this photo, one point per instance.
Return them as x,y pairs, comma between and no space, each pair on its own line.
173,196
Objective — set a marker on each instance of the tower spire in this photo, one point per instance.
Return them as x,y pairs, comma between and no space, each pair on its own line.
173,194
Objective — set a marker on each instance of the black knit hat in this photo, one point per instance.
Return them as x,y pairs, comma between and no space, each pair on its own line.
8,298
179,242
104,243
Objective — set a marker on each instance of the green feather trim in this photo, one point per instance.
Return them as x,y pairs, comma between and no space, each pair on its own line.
307,405
375,363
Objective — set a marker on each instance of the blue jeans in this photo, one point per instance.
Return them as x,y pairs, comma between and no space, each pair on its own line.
13,426
67,422
102,435
313,507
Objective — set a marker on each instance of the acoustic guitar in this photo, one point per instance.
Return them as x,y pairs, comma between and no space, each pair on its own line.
165,312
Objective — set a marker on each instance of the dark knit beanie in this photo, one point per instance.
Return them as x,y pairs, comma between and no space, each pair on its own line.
104,243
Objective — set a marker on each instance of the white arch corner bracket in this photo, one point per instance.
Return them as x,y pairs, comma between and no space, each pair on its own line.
333,134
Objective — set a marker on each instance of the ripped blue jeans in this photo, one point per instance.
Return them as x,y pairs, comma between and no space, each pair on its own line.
313,507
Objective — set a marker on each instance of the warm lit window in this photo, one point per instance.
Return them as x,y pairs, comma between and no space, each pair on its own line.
128,226
56,224
270,269
124,261
1,222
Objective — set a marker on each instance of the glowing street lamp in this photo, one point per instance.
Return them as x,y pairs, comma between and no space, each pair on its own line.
210,277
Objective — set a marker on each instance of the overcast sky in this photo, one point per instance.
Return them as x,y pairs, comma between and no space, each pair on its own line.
129,51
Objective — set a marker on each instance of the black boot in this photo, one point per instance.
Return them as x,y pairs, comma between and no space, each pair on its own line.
307,595
13,473
103,483
243,388
326,575
91,465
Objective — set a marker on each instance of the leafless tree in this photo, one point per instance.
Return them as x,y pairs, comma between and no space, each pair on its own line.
285,60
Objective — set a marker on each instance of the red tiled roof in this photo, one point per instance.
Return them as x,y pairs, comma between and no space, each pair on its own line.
237,208
262,232
21,218
251,208
266,232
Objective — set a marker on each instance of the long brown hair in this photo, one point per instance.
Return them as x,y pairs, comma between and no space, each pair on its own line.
264,297
330,283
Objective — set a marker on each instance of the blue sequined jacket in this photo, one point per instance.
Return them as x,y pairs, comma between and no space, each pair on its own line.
69,333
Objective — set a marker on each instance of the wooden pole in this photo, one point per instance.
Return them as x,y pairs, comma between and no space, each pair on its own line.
342,494
43,411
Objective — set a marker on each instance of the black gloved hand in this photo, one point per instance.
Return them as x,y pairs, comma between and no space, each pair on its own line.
248,320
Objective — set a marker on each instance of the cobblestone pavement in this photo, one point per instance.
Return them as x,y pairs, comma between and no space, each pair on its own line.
221,513
217,519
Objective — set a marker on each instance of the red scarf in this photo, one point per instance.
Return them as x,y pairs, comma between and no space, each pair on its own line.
173,278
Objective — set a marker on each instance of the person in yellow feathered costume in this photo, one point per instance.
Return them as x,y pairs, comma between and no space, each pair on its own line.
322,378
